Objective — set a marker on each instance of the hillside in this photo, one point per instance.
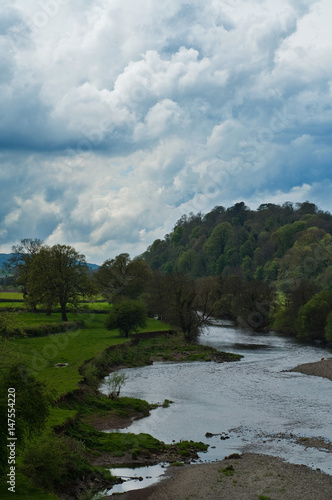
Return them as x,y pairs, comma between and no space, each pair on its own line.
3,258
272,265
274,243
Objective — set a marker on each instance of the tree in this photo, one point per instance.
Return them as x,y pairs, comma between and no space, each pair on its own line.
312,317
122,278
215,244
59,274
286,313
183,302
114,384
20,261
253,304
127,316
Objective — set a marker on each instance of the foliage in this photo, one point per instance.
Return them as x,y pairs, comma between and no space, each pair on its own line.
31,408
127,316
251,244
9,323
284,318
50,275
54,460
252,255
183,302
114,384
20,260
122,278
312,317
59,274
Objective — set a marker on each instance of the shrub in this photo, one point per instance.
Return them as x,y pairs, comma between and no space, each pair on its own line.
114,384
127,316
53,460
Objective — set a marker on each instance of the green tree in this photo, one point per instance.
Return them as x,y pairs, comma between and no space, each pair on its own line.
215,245
188,261
286,311
114,384
253,305
122,278
127,316
285,236
20,261
59,274
312,317
183,302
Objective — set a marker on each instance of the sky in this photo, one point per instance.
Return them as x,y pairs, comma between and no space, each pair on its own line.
117,117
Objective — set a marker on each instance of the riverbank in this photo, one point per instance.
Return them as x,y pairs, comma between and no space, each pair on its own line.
322,368
251,477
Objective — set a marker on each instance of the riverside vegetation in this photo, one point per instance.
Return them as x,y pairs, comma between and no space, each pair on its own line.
264,269
60,453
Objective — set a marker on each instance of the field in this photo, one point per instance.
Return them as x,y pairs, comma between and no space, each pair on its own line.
14,300
74,347
41,354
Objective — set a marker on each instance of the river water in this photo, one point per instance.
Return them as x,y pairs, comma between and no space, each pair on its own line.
250,405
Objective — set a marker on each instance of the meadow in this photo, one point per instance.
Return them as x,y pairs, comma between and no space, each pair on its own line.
71,348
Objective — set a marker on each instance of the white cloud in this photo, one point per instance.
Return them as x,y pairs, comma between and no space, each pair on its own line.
119,117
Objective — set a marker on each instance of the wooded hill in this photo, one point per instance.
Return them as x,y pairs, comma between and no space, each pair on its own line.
274,243
275,262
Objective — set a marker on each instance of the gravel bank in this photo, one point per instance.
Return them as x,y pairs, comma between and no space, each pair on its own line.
252,477
322,368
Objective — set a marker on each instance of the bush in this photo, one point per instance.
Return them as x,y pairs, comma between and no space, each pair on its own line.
53,460
114,384
127,316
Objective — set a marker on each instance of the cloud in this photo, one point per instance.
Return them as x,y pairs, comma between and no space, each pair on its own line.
117,118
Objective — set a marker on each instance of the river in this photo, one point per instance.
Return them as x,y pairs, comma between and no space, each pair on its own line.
250,405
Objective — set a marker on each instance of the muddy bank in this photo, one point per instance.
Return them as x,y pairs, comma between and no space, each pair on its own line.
251,477
322,368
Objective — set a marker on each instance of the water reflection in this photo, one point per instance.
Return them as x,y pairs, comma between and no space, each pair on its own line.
136,478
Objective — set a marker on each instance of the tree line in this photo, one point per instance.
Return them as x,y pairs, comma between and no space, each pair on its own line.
269,268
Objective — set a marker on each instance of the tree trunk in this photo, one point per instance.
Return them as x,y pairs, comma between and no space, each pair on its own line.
63,312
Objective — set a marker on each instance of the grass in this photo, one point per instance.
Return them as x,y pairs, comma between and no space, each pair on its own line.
95,304
76,348
116,443
12,305
228,471
24,491
11,295
42,353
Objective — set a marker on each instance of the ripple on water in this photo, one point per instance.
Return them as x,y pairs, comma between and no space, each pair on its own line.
252,396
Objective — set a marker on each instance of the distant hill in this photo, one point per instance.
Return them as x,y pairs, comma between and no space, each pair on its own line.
93,266
5,256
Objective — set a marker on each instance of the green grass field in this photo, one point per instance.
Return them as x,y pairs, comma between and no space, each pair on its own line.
42,353
96,303
11,295
12,305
